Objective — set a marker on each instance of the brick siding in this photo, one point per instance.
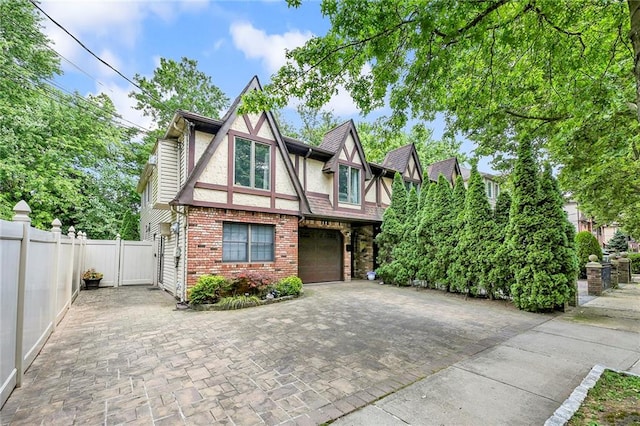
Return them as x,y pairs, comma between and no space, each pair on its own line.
204,244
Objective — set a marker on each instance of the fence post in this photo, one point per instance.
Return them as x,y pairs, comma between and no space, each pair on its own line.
71,233
83,250
624,268
22,211
56,230
594,276
119,260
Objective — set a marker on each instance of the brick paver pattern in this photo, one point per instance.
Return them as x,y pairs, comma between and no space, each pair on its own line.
126,355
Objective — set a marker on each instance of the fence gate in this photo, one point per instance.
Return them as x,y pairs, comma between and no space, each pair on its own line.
121,262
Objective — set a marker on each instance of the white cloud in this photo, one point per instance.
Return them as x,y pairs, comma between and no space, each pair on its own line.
124,105
268,48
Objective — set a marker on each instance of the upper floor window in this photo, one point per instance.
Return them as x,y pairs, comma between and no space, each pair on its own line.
349,185
243,242
252,164
489,186
410,185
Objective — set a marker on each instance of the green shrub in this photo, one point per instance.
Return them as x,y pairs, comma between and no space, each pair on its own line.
208,289
289,286
635,262
586,245
250,283
238,302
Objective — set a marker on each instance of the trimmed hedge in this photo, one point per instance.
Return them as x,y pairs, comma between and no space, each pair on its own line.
635,262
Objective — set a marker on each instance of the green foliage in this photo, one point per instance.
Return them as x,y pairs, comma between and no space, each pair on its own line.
391,230
238,302
476,242
208,289
635,262
586,245
557,72
289,286
62,153
378,139
542,256
174,86
443,240
406,258
500,274
249,283
618,242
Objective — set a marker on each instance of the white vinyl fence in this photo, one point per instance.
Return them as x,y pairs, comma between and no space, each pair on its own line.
41,275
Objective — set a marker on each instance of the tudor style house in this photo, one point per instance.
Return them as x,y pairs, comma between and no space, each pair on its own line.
231,195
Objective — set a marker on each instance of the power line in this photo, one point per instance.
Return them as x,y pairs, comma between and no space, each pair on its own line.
93,54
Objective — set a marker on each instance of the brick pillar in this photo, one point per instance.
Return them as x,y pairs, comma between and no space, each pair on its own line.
594,276
624,269
614,271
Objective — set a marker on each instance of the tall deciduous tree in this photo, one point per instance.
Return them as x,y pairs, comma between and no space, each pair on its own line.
561,73
176,85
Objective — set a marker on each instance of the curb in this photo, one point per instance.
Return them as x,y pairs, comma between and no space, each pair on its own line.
570,405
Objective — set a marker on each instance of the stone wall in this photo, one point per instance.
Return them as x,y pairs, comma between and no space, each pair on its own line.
363,251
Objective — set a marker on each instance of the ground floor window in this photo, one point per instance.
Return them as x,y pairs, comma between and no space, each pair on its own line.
244,242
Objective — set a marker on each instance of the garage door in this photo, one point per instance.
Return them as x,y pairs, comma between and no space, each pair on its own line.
319,255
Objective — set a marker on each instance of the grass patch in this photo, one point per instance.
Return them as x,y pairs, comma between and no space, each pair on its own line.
614,400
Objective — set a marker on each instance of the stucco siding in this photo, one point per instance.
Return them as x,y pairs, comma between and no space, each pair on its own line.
202,141
284,184
265,131
209,195
239,125
217,169
248,200
317,180
384,197
287,205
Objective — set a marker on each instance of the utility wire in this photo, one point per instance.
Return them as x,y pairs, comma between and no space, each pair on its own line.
93,54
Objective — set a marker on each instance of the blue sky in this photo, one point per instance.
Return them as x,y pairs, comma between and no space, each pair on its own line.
231,40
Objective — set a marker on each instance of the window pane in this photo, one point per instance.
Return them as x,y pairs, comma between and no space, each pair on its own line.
355,186
343,184
261,243
262,166
235,239
242,164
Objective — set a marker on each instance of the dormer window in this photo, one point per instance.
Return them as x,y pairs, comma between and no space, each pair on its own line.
349,185
252,164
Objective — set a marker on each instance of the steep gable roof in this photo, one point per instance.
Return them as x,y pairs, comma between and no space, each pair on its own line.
447,168
398,159
334,140
185,195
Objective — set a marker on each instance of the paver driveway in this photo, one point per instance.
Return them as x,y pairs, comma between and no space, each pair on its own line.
126,355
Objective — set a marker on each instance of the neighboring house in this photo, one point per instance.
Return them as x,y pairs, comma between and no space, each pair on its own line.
582,222
231,195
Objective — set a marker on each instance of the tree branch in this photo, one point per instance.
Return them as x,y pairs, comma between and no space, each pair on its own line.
540,118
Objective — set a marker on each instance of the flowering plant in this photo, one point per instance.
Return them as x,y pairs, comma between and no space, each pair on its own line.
91,274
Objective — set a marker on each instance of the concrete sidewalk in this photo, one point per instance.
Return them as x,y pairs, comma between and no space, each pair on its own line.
523,380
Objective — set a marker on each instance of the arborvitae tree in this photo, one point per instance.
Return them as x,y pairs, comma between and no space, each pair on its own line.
399,197
405,256
442,226
618,242
391,230
424,234
500,274
457,212
524,221
556,264
476,241
586,245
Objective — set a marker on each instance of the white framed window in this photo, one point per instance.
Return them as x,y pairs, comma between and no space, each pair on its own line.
252,164
244,242
489,188
348,185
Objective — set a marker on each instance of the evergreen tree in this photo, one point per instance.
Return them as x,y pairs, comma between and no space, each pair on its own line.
475,244
405,261
586,245
524,221
618,242
442,226
500,274
399,197
391,230
457,212
424,234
